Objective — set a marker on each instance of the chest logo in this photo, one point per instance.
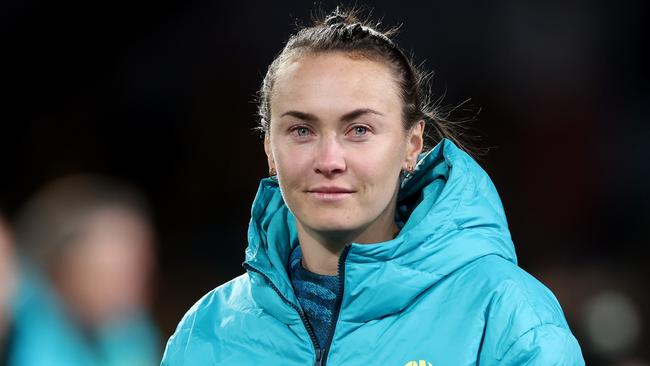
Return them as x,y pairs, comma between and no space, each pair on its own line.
418,363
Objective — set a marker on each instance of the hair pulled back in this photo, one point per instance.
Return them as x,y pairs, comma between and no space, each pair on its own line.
343,31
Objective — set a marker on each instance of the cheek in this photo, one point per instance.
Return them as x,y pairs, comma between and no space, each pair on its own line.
292,166
292,169
380,183
380,163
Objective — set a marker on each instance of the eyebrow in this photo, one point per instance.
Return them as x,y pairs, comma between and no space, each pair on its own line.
345,118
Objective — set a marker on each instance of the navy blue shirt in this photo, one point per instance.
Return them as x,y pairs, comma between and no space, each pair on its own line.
316,294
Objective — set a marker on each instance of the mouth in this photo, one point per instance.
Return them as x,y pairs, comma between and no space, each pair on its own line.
330,193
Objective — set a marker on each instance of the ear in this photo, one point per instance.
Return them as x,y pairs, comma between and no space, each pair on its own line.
414,143
269,153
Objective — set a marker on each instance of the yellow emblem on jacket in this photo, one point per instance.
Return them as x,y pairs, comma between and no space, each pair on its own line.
418,363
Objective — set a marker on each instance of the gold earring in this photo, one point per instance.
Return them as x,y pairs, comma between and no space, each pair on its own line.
272,172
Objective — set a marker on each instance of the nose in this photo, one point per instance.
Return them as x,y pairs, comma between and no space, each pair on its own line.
329,157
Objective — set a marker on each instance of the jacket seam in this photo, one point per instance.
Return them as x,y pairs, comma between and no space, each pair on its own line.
524,334
527,296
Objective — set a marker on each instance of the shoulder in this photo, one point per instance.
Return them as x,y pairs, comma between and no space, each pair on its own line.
210,318
232,294
522,317
510,287
231,297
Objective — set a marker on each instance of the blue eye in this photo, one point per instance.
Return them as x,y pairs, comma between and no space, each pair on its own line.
360,130
301,131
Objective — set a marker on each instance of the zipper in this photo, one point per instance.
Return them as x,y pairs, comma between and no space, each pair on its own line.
319,358
303,317
321,353
322,360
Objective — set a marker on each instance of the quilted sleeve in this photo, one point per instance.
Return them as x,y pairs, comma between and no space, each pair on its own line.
547,345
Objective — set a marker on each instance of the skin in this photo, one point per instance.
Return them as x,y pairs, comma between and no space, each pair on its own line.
336,124
107,273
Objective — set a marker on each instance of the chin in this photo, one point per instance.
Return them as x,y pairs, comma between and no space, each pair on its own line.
329,224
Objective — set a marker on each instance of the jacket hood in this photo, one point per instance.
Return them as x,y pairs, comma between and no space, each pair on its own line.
450,214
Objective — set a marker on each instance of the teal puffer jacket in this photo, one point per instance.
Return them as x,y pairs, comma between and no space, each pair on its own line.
446,291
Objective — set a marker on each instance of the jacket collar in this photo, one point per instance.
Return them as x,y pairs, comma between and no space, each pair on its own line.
451,215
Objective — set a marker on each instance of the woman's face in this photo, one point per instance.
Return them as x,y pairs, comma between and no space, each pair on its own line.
116,251
338,143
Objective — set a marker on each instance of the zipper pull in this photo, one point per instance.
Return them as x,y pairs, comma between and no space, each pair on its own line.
319,357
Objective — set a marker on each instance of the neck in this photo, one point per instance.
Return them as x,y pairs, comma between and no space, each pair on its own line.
321,250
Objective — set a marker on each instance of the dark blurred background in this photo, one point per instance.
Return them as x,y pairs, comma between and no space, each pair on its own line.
162,94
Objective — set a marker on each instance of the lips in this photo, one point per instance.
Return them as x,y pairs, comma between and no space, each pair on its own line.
330,189
330,193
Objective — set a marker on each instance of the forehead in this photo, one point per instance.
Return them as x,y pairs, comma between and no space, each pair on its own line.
327,82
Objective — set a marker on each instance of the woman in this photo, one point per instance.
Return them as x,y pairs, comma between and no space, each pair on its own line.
87,257
361,249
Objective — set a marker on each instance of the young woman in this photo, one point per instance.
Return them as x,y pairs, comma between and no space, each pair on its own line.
86,258
362,250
